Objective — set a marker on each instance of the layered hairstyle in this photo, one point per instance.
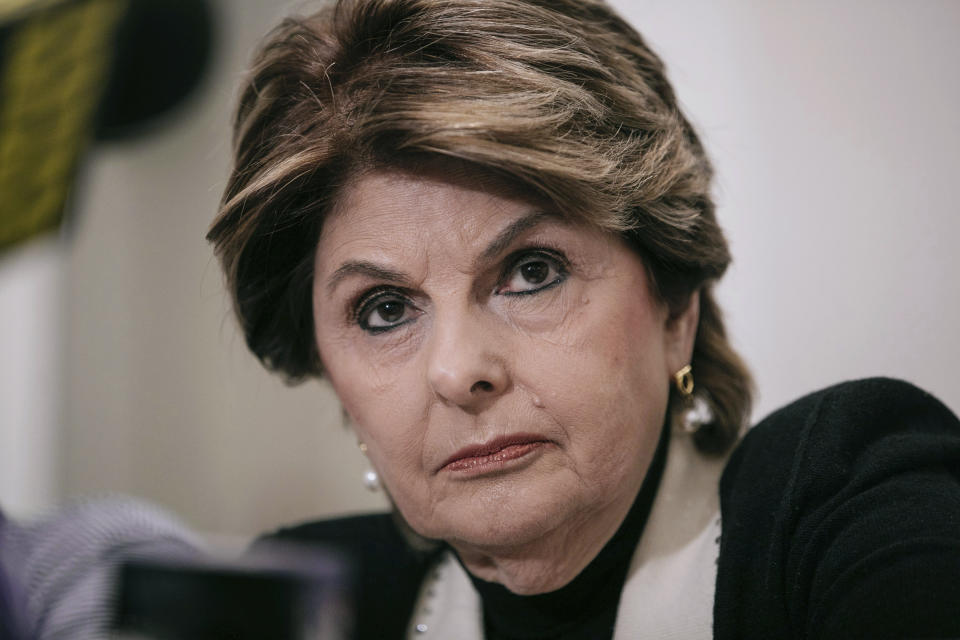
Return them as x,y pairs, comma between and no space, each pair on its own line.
561,98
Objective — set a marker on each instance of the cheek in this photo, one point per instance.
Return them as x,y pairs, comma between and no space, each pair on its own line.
354,360
601,376
362,369
383,412
386,413
615,338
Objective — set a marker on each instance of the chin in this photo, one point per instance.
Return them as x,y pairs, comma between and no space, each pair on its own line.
503,518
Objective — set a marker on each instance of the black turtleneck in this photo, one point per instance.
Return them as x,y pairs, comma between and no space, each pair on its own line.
586,608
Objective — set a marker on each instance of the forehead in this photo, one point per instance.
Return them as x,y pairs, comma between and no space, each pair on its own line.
388,207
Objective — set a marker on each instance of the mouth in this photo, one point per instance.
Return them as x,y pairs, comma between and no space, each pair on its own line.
494,455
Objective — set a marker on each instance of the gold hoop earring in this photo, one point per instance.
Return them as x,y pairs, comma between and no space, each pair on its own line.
683,379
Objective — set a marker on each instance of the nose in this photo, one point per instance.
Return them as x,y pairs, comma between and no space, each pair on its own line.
466,360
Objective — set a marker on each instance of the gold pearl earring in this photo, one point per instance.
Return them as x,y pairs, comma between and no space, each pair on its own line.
371,480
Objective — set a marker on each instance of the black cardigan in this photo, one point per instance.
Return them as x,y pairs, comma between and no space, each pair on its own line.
840,516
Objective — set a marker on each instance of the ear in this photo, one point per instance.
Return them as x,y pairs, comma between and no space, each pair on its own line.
680,334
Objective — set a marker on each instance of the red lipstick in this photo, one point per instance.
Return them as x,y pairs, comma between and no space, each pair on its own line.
493,455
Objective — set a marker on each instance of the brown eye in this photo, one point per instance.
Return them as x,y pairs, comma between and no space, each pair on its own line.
390,312
383,312
534,271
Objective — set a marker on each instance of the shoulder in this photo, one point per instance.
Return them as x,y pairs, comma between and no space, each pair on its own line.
373,530
850,415
843,430
387,572
368,541
841,516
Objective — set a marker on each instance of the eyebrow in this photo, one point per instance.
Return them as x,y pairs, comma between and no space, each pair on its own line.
502,240
363,268
511,231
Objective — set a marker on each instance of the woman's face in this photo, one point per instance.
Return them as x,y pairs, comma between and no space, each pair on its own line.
507,370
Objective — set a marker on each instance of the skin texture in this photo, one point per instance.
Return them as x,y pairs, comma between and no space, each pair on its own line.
503,320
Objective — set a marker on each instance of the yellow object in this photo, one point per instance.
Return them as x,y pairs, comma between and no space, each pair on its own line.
54,66
684,380
12,9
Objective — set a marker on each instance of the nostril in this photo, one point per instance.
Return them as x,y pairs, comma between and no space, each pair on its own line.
481,385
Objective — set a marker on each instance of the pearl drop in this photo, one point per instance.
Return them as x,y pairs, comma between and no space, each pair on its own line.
371,480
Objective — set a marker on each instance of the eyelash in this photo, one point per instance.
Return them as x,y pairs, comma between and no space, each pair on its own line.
555,258
368,301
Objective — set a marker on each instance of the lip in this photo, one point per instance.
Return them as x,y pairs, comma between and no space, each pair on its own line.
493,455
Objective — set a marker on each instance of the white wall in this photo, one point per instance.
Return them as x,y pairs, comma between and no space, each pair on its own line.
31,323
162,399
834,130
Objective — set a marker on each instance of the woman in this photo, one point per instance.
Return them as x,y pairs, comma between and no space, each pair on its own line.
488,224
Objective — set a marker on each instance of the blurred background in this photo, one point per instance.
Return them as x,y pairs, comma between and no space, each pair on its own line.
833,126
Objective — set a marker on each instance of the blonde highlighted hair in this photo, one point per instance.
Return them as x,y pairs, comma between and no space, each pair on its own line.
560,97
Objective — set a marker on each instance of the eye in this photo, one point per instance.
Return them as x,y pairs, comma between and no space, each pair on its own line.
380,311
532,271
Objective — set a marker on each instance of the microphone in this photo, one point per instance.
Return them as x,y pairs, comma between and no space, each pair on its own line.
60,570
275,592
119,568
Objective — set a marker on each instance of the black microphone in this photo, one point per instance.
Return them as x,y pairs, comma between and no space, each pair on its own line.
119,568
273,593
